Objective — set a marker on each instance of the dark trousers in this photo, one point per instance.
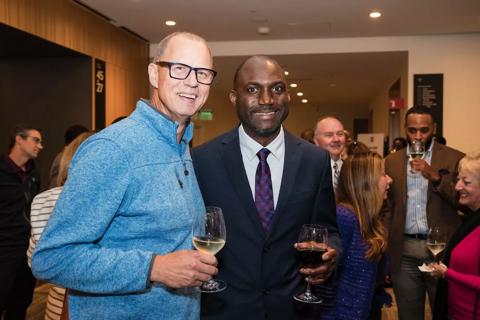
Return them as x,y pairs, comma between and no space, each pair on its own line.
16,286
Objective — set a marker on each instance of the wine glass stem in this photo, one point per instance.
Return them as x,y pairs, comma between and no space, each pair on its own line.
308,293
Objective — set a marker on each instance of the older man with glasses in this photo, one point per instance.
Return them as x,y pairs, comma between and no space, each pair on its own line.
120,234
19,183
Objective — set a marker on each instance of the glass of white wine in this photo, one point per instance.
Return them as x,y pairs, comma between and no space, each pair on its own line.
209,236
435,241
416,151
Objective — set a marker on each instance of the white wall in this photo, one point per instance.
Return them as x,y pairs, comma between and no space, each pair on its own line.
379,104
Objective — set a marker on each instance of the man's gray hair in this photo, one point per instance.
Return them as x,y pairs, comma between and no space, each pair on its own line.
163,44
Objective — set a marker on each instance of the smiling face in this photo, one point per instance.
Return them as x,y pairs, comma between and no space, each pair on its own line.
180,99
330,136
261,98
468,187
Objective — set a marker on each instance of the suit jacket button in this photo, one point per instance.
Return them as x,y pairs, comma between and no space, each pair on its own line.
265,291
266,248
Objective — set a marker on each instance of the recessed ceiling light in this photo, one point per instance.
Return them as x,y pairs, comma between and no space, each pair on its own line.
304,100
286,73
293,85
375,14
299,94
170,23
263,30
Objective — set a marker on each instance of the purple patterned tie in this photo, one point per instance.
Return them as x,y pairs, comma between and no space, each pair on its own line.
263,190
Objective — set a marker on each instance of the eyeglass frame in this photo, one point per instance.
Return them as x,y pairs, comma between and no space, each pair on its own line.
36,140
170,64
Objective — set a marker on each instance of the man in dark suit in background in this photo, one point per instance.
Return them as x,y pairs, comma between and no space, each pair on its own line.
259,262
421,196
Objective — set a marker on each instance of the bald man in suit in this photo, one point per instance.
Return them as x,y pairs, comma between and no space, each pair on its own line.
259,262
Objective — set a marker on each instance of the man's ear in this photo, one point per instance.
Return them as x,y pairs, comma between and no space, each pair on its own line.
153,75
233,97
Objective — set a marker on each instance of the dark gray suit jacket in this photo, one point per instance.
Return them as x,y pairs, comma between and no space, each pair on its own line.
261,269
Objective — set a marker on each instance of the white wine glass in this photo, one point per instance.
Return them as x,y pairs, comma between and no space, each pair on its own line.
435,241
209,236
417,151
312,244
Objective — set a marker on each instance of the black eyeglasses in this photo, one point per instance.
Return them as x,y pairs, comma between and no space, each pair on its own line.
181,71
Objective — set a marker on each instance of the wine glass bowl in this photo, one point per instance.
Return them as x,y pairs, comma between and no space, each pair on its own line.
312,244
209,236
416,151
436,241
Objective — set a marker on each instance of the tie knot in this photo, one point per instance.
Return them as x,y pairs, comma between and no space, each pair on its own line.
263,154
335,165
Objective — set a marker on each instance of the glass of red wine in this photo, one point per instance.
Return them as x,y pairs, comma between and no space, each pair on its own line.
312,244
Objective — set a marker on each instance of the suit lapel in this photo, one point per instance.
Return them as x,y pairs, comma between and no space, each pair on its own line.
435,163
290,168
403,174
232,160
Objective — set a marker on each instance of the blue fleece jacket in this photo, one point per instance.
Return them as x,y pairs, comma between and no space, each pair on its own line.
131,193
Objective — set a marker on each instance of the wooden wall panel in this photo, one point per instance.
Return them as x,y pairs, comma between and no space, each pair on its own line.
69,25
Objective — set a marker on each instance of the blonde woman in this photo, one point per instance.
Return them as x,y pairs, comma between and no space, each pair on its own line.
458,292
361,191
42,207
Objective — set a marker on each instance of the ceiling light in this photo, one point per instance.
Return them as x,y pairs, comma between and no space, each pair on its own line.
170,23
263,30
304,100
286,73
375,14
299,94
293,85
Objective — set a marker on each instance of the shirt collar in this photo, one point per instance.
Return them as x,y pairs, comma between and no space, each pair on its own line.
251,147
163,124
338,162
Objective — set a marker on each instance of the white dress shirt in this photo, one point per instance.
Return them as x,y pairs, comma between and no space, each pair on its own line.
275,159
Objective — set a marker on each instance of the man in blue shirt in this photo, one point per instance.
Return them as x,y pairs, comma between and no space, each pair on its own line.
120,234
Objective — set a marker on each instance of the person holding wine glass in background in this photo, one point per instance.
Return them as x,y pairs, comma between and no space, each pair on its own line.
361,190
458,293
268,183
417,201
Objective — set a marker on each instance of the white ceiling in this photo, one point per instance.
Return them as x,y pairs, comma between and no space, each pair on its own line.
231,20
338,80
